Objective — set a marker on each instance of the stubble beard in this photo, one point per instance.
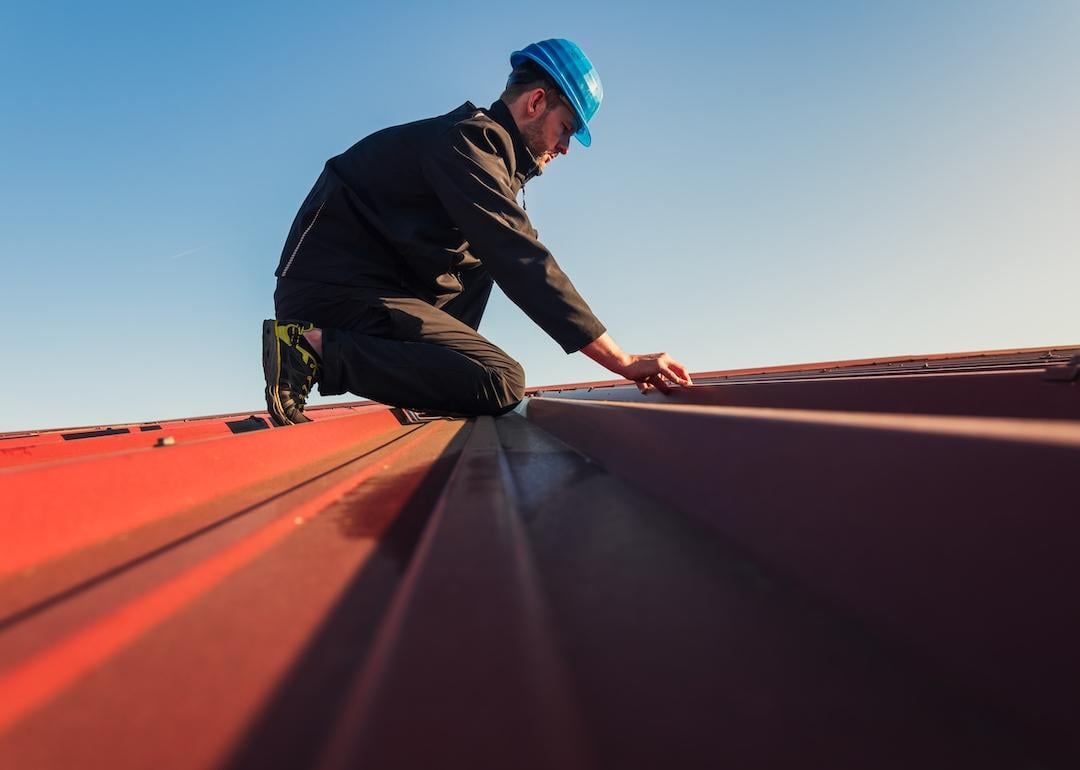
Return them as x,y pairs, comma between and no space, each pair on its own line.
532,133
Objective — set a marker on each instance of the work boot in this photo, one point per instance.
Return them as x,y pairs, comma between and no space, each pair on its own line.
290,367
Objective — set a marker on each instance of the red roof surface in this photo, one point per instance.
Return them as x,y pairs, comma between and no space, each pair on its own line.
850,564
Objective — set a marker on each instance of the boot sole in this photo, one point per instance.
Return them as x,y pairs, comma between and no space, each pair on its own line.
271,372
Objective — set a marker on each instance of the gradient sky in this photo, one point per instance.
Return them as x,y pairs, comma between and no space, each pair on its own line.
769,183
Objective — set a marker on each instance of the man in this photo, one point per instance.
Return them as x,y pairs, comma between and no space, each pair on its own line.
391,258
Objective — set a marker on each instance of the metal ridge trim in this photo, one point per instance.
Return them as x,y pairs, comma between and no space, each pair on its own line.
1058,432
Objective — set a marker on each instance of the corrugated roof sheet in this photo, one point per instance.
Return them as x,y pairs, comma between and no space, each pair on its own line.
850,564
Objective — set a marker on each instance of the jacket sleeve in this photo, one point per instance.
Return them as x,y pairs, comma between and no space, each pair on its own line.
469,175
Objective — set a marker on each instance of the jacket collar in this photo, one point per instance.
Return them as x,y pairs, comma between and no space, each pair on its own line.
527,167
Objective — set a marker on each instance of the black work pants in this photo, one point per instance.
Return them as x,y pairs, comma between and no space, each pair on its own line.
397,349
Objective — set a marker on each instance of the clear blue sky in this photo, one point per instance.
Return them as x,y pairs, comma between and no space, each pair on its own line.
770,182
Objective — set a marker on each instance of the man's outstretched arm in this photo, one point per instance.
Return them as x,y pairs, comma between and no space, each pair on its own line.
648,370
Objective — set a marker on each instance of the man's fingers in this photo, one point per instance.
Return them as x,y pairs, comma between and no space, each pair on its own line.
658,382
680,370
665,372
676,373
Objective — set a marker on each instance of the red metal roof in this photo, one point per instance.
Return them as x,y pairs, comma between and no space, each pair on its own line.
851,564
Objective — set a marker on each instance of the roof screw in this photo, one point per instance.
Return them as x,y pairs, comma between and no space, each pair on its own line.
165,441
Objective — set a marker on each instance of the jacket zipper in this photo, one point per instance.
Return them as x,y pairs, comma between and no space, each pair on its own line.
301,241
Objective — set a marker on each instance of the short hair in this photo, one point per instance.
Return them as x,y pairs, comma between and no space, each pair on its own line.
527,76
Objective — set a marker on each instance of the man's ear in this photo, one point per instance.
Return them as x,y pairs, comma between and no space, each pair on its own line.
535,102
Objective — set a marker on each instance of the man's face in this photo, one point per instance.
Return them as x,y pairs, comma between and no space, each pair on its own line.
548,134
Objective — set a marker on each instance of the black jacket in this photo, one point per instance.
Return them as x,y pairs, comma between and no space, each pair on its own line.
413,206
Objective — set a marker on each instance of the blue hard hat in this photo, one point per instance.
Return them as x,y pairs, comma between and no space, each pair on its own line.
572,71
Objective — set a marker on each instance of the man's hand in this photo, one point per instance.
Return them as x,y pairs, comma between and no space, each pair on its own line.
656,370
651,370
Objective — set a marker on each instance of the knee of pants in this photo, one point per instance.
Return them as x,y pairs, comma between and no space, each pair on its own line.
511,388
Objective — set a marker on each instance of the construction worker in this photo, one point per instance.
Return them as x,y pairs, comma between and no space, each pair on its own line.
390,261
